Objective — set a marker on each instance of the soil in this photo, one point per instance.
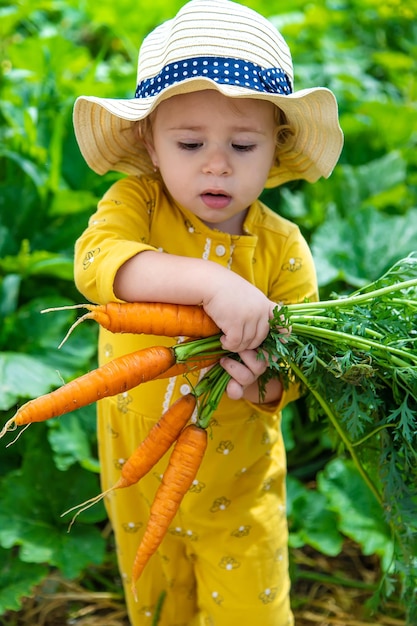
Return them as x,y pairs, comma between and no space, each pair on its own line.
326,592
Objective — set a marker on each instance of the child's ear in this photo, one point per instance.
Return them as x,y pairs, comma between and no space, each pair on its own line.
151,151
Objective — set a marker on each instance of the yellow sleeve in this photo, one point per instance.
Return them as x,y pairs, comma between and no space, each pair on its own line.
297,279
117,231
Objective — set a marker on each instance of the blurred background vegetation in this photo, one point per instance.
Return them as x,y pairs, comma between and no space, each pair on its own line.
358,223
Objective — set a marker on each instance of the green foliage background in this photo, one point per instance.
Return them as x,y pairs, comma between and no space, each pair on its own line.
358,223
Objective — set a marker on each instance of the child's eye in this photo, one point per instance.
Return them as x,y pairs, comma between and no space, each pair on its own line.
189,145
243,148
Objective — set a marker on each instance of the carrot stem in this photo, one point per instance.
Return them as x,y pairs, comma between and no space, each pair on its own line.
158,608
335,422
206,347
355,298
209,390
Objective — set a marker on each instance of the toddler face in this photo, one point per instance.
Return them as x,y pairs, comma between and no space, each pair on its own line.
214,154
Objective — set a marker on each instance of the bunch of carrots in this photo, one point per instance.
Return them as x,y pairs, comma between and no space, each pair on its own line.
174,426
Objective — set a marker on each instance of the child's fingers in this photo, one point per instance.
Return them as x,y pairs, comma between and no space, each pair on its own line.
234,391
241,377
244,376
245,337
238,371
246,371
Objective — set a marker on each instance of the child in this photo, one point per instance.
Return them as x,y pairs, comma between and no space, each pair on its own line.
213,122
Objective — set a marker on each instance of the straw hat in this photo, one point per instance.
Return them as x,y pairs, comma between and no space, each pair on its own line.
212,44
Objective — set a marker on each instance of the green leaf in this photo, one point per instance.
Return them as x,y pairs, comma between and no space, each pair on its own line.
406,417
54,265
359,516
17,580
358,249
370,179
23,376
30,168
38,263
9,294
310,520
39,335
70,440
32,500
399,117
8,17
287,433
69,201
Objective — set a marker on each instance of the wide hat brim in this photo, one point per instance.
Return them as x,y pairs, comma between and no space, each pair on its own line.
104,128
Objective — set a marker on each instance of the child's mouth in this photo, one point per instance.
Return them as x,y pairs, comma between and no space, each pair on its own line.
215,200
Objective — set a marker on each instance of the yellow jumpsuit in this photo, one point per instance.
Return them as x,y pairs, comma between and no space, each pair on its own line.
224,560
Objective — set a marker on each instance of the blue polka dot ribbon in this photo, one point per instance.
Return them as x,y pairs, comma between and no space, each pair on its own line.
221,70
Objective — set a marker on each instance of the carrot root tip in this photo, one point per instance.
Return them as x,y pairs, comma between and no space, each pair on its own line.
21,431
79,508
74,325
9,426
67,307
70,307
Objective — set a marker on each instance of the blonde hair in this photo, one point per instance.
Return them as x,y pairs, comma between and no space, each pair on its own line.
143,129
284,134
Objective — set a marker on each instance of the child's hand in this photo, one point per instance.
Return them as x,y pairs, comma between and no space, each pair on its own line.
245,374
241,311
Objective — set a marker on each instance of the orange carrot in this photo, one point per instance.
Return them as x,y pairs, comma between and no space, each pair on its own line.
178,477
158,441
117,376
160,438
150,318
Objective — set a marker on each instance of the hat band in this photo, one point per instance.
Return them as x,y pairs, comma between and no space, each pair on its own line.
222,70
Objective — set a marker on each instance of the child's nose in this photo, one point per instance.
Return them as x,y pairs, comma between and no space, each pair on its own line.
217,162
